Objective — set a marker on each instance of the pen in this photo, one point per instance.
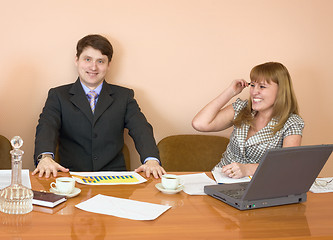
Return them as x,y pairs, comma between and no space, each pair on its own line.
86,179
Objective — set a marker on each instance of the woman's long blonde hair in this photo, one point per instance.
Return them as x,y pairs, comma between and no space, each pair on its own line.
285,102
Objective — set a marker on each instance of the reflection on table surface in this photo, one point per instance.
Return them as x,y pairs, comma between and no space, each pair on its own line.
191,217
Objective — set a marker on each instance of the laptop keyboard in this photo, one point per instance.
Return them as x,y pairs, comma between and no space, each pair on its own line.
236,193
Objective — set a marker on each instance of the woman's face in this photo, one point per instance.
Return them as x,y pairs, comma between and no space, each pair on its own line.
263,96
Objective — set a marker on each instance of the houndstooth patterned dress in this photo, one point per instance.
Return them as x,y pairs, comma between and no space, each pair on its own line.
251,150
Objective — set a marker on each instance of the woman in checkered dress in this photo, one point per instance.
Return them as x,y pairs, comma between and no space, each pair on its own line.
268,119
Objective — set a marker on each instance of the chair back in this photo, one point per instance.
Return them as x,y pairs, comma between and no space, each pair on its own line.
5,148
191,153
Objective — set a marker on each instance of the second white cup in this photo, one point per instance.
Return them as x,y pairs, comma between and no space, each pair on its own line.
64,185
170,181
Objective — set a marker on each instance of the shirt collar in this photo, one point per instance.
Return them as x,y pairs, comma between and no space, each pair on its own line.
96,90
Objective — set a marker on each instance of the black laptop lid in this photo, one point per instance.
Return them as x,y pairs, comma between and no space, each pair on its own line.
287,171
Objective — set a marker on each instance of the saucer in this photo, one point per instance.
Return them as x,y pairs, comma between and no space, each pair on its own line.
160,187
75,192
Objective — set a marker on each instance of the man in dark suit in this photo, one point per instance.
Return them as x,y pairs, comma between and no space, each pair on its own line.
86,120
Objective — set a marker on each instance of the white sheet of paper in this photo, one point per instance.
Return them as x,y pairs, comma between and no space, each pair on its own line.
194,183
123,208
222,178
133,174
6,178
315,188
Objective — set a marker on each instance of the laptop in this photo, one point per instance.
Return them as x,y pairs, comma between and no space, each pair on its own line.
283,176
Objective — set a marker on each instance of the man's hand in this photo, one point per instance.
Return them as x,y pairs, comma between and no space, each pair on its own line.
151,167
47,165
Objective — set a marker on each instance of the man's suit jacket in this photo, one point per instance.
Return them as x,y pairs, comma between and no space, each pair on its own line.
92,142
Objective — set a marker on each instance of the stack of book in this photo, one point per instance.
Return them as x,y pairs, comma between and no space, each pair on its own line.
47,199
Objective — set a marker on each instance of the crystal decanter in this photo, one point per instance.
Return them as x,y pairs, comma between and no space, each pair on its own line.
16,198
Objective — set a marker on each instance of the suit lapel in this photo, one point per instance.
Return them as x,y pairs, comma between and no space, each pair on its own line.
80,100
104,101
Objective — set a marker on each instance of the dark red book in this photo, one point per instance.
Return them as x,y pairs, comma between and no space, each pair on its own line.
47,199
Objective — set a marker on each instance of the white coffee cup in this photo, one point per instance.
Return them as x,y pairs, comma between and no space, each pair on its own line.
64,185
170,181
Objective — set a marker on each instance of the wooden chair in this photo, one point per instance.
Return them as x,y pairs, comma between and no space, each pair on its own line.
5,148
191,153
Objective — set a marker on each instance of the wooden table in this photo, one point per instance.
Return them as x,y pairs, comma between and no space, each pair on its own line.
191,217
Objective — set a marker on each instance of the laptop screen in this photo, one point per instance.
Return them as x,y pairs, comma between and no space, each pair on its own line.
287,171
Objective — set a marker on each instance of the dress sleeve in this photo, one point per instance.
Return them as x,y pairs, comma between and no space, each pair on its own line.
293,126
238,105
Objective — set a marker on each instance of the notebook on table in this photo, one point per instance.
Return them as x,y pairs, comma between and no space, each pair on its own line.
283,176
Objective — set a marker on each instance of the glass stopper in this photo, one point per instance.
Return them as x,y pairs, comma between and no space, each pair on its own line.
16,142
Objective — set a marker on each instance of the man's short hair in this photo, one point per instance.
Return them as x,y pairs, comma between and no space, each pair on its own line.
97,42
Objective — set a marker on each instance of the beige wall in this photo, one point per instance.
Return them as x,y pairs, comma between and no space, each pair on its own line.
176,54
